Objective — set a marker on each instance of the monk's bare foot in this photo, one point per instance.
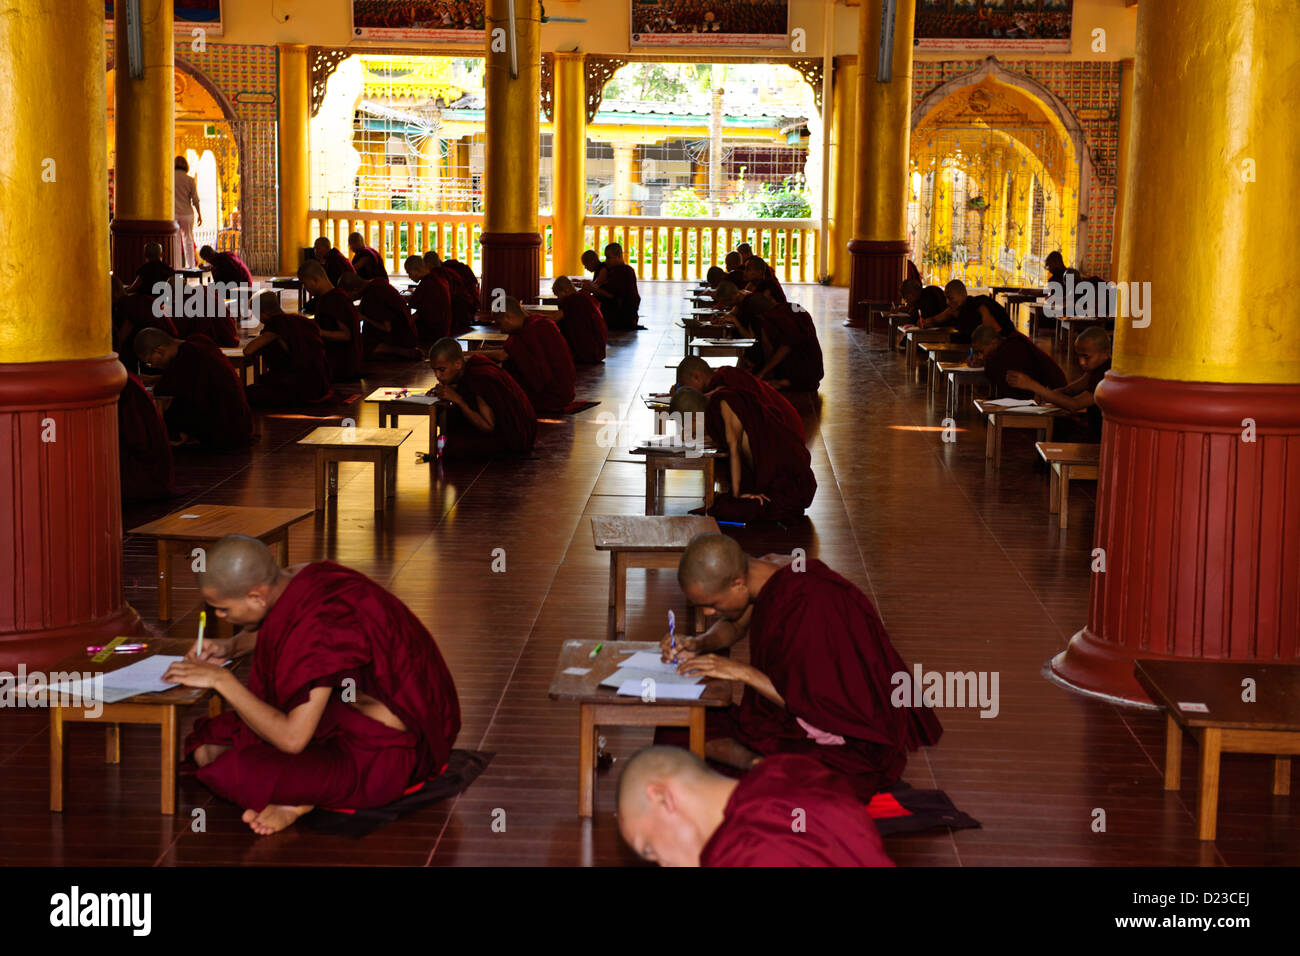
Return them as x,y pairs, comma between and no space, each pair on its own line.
730,752
204,754
273,818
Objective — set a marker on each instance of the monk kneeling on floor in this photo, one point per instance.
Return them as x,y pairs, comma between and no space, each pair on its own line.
491,416
537,355
675,811
349,701
821,666
205,399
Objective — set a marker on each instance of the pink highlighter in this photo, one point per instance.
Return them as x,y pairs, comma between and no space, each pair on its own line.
120,649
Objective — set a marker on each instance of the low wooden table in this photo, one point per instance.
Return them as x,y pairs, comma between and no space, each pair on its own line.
393,402
1000,418
959,376
244,364
1221,722
375,445
1069,462
202,525
203,273
914,336
643,541
731,348
603,707
474,341
293,283
162,710
896,320
661,456
931,354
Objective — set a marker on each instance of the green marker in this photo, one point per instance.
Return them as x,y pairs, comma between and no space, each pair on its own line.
594,651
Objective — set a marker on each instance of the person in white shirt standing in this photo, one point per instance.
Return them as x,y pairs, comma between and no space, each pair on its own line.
186,207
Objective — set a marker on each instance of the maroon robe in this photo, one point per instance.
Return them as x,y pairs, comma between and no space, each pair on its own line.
621,302
514,417
335,311
335,264
802,367
467,277
369,264
757,823
381,301
769,286
228,267
463,301
295,368
819,640
782,466
208,401
131,313
220,328
583,328
542,364
431,303
144,449
334,627
737,379
150,274
1017,353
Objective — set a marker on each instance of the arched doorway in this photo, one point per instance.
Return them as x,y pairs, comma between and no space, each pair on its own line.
205,131
999,173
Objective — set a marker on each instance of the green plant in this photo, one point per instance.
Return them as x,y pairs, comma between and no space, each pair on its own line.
787,201
683,201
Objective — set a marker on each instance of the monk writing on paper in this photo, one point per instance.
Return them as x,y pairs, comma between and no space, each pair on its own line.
491,416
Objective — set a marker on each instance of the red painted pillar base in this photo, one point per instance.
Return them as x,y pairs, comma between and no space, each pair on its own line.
877,270
510,262
130,236
61,520
1198,519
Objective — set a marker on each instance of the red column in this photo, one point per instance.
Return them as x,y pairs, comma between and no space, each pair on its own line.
510,262
876,271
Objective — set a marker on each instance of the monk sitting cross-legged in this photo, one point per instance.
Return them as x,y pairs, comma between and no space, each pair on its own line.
330,259
387,330
583,325
820,671
675,811
338,321
206,402
430,300
1014,352
792,355
768,464
462,289
293,357
366,260
492,417
152,271
537,356
349,701
1092,352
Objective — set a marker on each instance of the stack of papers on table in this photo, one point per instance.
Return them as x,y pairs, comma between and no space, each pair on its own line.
644,666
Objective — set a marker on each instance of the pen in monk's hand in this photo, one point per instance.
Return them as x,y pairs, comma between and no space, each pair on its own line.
203,622
672,627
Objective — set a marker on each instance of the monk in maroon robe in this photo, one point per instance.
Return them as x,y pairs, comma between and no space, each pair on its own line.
491,417
387,330
152,271
787,811
770,469
821,669
537,356
349,701
1014,352
792,355
338,320
583,325
467,277
759,277
616,290
131,313
144,451
735,269
694,372
206,404
367,262
295,370
464,298
430,300
226,267
331,260
1092,353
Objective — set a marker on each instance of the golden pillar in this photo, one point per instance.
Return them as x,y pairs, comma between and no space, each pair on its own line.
879,245
513,84
143,176
570,164
60,516
295,191
843,132
1121,159
1200,451
624,166
430,165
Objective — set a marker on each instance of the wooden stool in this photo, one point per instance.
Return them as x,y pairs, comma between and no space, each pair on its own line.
603,706
959,376
1069,462
1204,698
245,364
662,456
203,525
375,445
635,541
1000,417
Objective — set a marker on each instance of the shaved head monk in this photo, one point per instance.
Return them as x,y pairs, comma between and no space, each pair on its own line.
207,405
694,372
770,469
338,320
152,271
735,269
430,300
492,417
462,286
675,811
820,671
387,331
331,260
537,355
1092,352
583,325
759,277
961,314
1014,352
226,267
132,312
922,302
615,287
349,701
591,262
295,370
367,262
792,354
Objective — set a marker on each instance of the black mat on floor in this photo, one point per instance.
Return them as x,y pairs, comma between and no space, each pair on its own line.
903,809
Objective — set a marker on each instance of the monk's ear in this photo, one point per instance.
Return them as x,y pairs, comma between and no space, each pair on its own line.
660,795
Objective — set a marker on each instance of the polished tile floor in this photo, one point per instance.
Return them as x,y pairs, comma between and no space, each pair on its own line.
962,561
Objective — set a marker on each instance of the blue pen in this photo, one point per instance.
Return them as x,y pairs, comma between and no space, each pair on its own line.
672,627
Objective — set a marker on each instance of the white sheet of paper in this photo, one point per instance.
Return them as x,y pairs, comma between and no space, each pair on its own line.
577,671
1038,409
415,398
625,674
648,661
142,677
1010,402
662,691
